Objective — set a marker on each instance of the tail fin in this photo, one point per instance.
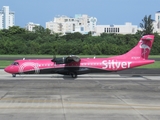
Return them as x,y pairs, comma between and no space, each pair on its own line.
141,50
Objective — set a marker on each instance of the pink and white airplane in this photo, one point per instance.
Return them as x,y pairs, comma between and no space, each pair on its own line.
73,65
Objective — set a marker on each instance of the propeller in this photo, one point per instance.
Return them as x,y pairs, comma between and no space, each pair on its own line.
54,57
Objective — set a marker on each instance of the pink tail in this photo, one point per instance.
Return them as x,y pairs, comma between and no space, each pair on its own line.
141,50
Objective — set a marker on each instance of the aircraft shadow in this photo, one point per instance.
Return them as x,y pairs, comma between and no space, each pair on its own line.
68,77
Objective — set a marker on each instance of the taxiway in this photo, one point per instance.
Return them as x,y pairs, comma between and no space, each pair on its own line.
88,97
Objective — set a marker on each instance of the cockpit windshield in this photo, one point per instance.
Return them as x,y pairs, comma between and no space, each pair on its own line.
15,63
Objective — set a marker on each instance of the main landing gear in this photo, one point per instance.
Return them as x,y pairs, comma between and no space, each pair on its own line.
73,74
13,75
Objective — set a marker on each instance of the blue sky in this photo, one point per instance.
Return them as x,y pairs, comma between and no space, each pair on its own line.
106,11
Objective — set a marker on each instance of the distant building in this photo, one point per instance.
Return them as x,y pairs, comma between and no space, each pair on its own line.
157,22
80,23
7,18
128,28
30,26
84,24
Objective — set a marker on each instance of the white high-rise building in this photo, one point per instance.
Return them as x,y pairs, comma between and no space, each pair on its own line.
157,22
7,18
80,23
30,26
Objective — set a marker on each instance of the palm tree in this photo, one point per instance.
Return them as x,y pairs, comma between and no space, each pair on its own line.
147,25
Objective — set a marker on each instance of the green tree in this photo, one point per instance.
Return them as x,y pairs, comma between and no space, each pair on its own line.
39,29
147,25
16,30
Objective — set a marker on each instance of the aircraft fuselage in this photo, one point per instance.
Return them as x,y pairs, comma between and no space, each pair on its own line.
85,65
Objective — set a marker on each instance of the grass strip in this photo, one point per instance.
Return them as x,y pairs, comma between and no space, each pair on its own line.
51,56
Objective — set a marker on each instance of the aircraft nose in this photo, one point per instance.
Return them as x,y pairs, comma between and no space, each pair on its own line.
9,69
6,69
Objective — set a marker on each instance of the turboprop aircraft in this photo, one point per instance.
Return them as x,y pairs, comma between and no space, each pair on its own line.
73,65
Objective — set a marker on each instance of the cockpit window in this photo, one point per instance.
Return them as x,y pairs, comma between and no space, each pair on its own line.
15,63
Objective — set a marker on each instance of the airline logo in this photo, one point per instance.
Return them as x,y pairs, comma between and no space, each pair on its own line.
31,64
111,64
143,45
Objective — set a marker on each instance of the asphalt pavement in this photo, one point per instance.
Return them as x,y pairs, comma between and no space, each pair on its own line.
88,97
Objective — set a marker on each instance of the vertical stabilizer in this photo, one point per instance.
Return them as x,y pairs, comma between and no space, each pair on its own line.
141,50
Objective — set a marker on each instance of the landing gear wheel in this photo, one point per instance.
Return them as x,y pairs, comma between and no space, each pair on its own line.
73,75
13,75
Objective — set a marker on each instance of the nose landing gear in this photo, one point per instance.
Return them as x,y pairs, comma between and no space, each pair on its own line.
13,75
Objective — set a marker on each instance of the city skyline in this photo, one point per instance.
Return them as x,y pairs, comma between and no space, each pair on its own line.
106,11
